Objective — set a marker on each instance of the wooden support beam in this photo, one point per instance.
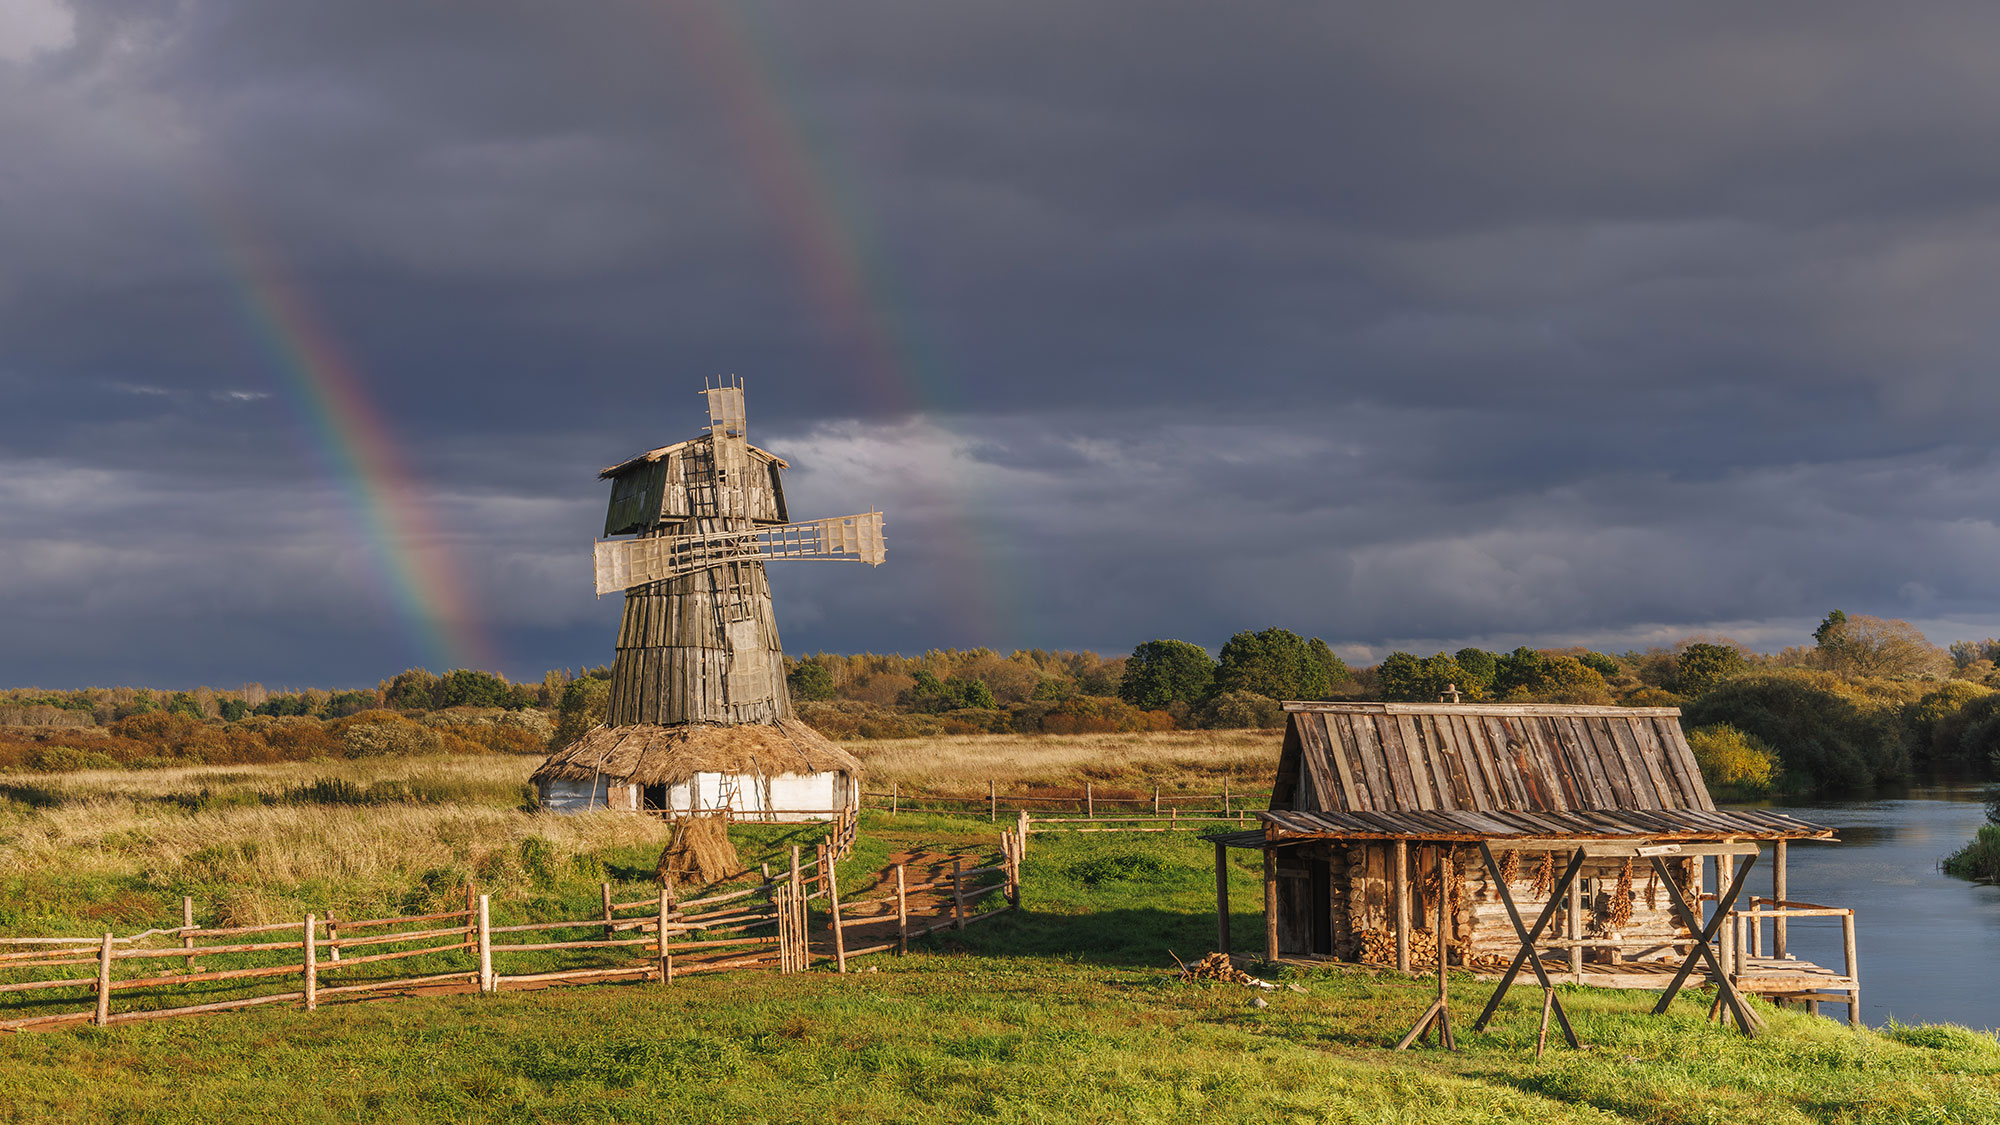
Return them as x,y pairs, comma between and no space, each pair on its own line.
1270,905
1438,1015
1221,898
1575,930
1527,954
1779,891
1853,970
1402,895
1746,1020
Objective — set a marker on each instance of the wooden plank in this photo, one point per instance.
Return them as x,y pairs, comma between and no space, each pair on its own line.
1471,750
1328,742
1573,755
1374,762
1421,782
1543,790
1676,793
1513,791
1313,753
1360,794
1645,785
1669,733
1453,755
1592,760
1397,763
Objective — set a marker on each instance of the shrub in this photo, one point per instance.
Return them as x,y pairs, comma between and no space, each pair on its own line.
1237,710
1823,737
1731,759
374,734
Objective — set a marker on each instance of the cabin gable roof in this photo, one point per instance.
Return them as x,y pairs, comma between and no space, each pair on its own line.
1484,758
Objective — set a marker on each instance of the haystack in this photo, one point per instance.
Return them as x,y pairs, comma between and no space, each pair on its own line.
699,854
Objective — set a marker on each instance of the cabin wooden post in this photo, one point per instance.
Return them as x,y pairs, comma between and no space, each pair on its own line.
1221,898
1575,921
311,967
103,1015
1270,904
1853,969
1402,895
902,914
1725,873
1780,891
1438,1015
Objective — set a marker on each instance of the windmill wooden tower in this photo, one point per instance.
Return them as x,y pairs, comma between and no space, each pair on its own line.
698,716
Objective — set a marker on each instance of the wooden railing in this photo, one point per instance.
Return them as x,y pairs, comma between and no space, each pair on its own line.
760,927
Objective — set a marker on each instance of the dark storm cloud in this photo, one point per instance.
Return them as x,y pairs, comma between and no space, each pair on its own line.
1405,326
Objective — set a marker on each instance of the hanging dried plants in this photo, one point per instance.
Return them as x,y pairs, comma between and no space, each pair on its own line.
1510,868
1545,876
1621,898
1652,890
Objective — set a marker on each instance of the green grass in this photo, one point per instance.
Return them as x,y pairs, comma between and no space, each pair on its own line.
1064,1011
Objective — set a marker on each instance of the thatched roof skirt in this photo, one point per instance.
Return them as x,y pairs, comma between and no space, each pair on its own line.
647,754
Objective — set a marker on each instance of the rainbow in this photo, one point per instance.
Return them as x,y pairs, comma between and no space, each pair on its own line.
358,451
851,288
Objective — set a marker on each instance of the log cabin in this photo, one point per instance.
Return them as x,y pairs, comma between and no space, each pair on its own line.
1370,797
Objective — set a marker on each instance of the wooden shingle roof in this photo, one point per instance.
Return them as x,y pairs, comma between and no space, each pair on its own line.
1421,757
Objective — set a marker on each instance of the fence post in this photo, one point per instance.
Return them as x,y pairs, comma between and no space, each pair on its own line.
332,938
1853,970
1156,800
609,930
187,939
992,800
957,894
312,963
902,915
666,954
104,983
1225,798
895,797
798,885
833,908
1021,831
486,981
1011,845
1089,800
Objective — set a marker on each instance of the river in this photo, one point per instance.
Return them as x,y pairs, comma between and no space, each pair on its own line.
1929,944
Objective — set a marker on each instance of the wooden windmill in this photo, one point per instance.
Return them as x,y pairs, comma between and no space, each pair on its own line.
698,644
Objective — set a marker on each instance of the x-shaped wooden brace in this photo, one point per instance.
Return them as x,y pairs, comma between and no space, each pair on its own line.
1746,1020
1527,955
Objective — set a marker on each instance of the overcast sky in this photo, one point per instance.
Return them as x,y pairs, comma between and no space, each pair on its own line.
1407,326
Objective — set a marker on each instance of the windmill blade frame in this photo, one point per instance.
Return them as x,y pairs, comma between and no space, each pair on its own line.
625,563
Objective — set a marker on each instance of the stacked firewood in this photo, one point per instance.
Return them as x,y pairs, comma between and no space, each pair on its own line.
1216,966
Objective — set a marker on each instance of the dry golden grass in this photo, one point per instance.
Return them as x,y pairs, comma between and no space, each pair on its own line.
262,843
1195,760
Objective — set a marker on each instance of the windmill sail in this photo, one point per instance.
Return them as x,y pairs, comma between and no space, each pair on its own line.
625,563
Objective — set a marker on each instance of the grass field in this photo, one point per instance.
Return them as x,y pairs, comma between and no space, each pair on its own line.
1067,1010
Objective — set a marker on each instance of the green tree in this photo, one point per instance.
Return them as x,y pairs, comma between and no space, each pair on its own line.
1478,667
1279,664
1518,673
413,689
1862,645
1822,737
1601,663
467,687
234,709
1407,678
1163,672
584,702
1701,666
810,682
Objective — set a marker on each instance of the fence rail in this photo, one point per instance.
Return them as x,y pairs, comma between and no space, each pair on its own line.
763,927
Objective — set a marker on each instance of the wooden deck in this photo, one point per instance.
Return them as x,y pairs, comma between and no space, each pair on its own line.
1786,977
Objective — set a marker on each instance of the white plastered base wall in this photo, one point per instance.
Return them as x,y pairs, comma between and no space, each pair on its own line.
559,795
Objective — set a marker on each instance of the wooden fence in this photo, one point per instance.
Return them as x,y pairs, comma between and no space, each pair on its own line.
767,926
1162,805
